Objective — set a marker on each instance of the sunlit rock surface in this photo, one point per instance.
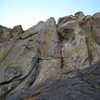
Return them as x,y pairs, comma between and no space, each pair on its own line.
51,61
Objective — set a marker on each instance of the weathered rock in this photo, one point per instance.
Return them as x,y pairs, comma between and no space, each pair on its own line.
79,48
96,17
4,51
17,30
51,67
33,30
84,86
66,18
51,61
96,25
74,48
17,64
5,33
17,61
50,43
80,16
93,47
31,45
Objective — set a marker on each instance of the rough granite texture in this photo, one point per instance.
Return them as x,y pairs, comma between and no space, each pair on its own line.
51,61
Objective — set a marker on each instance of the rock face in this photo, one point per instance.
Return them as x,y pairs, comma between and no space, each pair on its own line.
51,61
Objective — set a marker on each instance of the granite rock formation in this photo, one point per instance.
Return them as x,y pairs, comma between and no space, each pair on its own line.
51,61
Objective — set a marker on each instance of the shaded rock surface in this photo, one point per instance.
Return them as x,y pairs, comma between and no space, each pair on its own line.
83,86
51,61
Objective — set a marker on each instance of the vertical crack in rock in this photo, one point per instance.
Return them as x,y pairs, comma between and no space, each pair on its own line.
62,60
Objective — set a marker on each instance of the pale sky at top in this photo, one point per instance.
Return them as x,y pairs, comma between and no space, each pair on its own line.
29,12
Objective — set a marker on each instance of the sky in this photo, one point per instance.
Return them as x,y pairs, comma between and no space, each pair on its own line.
29,12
